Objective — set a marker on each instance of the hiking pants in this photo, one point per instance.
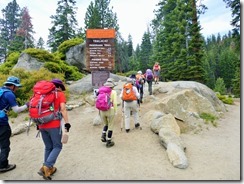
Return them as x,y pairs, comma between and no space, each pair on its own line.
5,133
53,146
140,90
108,118
128,107
150,87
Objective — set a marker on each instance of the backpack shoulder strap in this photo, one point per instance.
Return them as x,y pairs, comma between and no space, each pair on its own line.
3,90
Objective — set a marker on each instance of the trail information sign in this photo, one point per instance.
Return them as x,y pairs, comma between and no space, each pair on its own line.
100,49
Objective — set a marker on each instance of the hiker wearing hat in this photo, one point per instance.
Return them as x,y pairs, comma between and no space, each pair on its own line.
8,102
130,97
51,133
107,116
141,80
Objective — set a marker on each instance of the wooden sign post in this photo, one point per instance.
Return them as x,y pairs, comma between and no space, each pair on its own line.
100,54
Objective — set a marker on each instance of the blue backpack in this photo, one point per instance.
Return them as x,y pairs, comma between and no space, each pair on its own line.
3,111
103,101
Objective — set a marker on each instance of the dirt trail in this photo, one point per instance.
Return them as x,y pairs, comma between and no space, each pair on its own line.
213,154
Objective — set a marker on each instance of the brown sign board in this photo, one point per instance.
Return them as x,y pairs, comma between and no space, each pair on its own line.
99,78
100,54
100,49
100,33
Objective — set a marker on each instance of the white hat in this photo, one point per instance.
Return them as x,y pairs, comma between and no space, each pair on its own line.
110,83
140,72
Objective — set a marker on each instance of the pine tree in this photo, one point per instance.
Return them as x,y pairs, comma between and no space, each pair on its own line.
130,46
26,29
92,17
64,24
235,6
40,43
100,15
178,43
8,27
145,52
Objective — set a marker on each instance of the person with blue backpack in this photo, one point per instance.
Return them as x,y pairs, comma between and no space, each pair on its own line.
106,103
8,102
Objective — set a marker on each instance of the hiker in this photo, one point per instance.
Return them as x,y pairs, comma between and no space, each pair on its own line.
130,97
149,78
107,116
8,102
156,72
52,134
141,80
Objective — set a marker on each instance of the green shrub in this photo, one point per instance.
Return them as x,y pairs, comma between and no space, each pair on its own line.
11,60
53,67
220,86
227,99
209,118
40,54
65,46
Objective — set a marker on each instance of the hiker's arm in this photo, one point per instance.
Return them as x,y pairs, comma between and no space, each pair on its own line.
18,109
64,112
136,92
114,98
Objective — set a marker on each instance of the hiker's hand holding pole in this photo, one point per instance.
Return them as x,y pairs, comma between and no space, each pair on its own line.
67,126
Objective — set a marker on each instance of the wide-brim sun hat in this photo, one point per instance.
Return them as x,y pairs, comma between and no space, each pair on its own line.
59,83
110,83
13,80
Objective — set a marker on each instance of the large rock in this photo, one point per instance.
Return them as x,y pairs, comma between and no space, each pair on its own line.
29,63
201,89
187,105
76,56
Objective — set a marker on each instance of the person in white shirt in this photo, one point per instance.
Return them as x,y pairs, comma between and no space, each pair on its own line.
131,106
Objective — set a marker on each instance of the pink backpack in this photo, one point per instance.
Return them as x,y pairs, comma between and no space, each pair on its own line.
103,101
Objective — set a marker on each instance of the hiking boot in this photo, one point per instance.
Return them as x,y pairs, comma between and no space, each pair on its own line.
127,130
8,168
109,144
41,171
137,125
48,171
103,138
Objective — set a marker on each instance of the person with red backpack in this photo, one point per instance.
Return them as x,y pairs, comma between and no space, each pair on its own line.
8,102
108,111
52,131
130,97
156,72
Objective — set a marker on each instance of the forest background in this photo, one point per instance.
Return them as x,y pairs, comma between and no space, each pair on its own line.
173,39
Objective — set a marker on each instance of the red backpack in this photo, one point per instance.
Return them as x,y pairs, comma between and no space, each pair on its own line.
41,107
103,101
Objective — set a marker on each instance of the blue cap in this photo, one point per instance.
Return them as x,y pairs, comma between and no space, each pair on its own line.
13,80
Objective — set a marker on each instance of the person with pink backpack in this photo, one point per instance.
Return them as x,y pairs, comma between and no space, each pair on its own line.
106,103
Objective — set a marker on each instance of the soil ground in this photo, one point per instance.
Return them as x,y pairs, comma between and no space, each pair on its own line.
213,154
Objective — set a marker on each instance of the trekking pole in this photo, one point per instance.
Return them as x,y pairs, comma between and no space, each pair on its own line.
139,106
122,120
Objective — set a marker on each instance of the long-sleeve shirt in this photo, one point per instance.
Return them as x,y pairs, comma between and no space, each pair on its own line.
113,97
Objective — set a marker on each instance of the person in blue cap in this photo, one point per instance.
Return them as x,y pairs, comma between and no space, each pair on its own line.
8,102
